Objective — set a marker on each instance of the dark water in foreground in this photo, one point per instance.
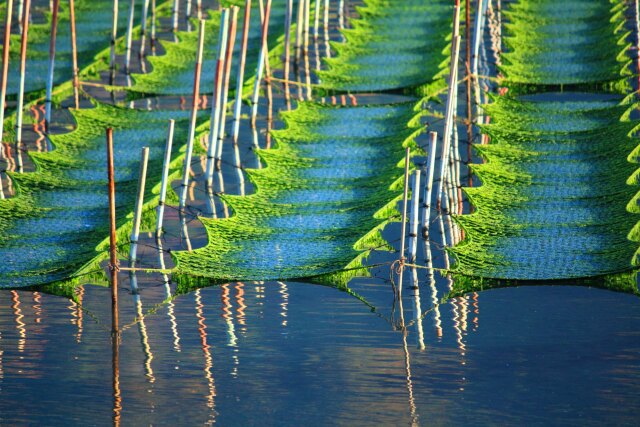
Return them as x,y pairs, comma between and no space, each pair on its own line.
287,354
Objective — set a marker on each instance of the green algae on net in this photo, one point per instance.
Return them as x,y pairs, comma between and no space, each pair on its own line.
554,199
393,45
93,28
329,187
55,225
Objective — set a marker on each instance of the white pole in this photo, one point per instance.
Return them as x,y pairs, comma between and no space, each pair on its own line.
240,76
287,47
143,27
114,35
165,177
428,188
403,228
127,59
174,20
217,96
194,115
137,214
52,59
23,66
415,208
261,63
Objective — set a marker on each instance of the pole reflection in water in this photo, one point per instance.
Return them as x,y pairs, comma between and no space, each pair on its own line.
142,328
168,297
407,369
284,305
417,309
241,316
20,325
208,359
227,315
115,376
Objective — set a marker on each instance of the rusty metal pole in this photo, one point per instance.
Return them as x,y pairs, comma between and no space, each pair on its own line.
74,53
113,240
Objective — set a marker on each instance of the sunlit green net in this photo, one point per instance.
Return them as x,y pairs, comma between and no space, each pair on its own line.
59,216
394,44
554,194
328,189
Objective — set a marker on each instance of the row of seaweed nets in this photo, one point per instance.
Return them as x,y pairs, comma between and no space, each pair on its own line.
554,200
393,45
93,27
172,72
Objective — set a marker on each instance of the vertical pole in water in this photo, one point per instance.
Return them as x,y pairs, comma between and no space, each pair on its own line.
192,123
299,27
217,98
240,76
23,66
74,54
305,50
415,208
477,38
428,189
316,22
112,44
637,16
165,177
5,70
469,77
231,41
325,25
404,219
127,58
174,18
287,48
20,15
137,213
52,59
143,27
153,27
113,239
261,63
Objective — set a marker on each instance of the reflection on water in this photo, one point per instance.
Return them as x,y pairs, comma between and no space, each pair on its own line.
285,353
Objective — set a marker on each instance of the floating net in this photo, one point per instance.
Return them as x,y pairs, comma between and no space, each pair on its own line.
53,228
393,45
327,190
555,188
93,28
172,73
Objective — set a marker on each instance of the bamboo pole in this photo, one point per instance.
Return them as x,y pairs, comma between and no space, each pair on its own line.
153,38
127,58
448,118
192,122
21,16
187,13
216,105
113,239
143,28
52,59
299,27
112,43
403,229
74,54
240,76
174,17
415,208
469,78
231,41
165,176
6,44
316,21
305,49
137,213
261,63
325,26
23,67
287,48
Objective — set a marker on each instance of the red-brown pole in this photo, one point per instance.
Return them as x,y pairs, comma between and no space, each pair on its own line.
467,63
113,240
5,69
74,53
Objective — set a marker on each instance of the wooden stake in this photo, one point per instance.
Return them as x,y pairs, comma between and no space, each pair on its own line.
216,105
231,41
415,208
287,48
6,44
165,177
174,19
407,160
113,239
316,21
127,58
469,77
240,76
52,59
23,66
261,63
137,213
153,27
74,54
325,25
194,115
21,16
426,200
299,28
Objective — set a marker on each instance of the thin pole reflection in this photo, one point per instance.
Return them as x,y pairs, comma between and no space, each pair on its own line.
142,328
208,359
227,315
20,325
284,305
417,309
407,369
168,297
115,375
241,316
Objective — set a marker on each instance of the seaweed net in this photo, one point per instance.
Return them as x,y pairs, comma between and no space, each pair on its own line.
54,226
172,73
393,45
555,188
93,28
328,189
